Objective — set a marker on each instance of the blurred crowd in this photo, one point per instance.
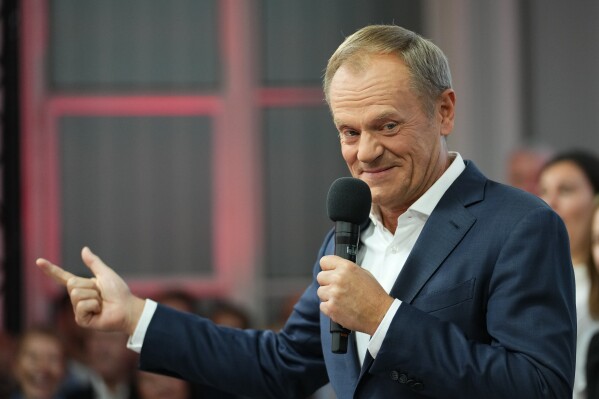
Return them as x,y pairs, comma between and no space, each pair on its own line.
61,360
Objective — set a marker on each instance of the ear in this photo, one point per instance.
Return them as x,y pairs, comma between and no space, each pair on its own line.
446,111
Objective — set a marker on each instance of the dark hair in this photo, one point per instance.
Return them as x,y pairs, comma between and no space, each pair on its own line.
585,160
224,307
43,330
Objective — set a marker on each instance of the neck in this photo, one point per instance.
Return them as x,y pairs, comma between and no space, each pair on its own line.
579,260
389,218
580,252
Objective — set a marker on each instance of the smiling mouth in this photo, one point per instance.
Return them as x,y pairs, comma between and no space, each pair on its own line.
375,172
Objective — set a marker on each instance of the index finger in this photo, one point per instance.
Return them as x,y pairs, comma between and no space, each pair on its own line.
57,273
327,262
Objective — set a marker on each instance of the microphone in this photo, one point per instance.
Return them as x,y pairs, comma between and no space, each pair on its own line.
348,205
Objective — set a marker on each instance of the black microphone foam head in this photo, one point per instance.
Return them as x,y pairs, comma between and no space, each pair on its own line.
349,200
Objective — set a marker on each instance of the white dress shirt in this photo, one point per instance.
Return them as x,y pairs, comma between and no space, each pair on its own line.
381,253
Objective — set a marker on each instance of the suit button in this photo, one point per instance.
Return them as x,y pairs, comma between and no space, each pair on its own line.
418,386
394,375
403,378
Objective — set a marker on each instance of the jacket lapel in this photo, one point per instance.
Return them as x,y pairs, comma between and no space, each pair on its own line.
442,232
444,229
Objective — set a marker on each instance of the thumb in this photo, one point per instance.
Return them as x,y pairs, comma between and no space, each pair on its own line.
93,262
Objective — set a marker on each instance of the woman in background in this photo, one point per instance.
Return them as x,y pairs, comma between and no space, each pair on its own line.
569,183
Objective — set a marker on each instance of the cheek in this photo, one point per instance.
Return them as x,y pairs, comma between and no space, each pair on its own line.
349,156
575,209
56,368
348,153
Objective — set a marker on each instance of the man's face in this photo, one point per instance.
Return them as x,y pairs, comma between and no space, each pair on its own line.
387,139
108,356
40,366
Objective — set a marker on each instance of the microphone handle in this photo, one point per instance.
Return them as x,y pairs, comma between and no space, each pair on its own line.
347,236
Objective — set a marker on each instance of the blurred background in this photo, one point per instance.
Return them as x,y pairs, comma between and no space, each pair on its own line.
188,144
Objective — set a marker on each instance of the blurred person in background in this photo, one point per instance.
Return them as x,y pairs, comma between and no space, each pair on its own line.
78,373
226,313
112,365
178,299
524,166
592,359
568,183
39,366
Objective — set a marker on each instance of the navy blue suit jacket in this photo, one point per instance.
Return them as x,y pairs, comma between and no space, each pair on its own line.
488,312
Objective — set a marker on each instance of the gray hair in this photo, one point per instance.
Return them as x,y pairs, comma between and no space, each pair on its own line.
426,62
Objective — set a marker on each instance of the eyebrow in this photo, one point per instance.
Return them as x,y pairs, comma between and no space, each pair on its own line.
377,119
385,115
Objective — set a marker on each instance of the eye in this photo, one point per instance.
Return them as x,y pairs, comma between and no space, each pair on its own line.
566,190
389,127
348,135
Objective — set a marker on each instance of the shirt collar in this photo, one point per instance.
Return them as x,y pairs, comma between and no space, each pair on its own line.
429,200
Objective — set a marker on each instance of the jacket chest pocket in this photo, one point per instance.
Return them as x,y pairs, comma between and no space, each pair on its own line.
446,298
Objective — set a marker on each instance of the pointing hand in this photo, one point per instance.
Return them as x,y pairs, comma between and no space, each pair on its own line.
103,302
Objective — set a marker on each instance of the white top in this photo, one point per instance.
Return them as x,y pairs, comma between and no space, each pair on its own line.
585,326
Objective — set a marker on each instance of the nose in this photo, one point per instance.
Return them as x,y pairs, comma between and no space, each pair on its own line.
370,148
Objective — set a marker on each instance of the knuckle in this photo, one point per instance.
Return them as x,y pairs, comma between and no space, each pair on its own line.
71,282
75,292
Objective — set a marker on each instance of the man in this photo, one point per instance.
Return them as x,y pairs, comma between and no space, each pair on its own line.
524,167
465,290
39,366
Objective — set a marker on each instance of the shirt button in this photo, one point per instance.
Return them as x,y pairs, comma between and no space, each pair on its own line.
394,249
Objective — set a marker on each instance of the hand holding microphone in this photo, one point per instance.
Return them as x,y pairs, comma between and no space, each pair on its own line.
348,205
